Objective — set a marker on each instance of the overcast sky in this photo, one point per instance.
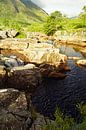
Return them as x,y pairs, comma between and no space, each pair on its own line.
68,7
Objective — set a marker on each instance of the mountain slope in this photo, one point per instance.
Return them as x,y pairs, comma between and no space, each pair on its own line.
22,10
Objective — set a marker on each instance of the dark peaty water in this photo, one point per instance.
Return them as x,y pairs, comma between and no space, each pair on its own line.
65,93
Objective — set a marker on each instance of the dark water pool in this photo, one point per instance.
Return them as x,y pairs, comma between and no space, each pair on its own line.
65,93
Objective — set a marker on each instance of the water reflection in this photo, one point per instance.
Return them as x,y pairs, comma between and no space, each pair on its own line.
69,51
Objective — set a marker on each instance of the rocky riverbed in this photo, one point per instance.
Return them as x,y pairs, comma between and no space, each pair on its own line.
37,74
22,68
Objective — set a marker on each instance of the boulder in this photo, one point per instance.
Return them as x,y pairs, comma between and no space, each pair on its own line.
14,114
13,110
11,61
57,75
8,34
52,71
81,62
7,97
21,54
12,33
25,78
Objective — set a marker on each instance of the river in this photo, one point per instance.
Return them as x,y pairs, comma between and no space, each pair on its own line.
64,93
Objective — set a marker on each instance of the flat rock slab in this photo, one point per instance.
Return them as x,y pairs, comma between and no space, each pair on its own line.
81,63
37,53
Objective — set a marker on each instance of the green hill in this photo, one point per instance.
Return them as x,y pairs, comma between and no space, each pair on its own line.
20,12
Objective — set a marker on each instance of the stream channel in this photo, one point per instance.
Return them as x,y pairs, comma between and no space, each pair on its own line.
63,93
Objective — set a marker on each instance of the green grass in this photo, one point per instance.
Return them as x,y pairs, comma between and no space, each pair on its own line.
66,123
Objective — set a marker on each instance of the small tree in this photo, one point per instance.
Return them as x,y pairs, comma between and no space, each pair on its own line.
57,15
50,26
82,17
52,22
60,123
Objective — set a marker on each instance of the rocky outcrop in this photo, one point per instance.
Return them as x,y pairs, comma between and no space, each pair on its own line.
14,114
39,54
16,110
12,33
15,107
20,78
78,36
8,34
37,37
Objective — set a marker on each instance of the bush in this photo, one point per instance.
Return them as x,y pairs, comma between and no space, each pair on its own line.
66,123
50,26
60,123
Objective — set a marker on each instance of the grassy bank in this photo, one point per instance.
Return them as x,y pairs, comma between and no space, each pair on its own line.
63,122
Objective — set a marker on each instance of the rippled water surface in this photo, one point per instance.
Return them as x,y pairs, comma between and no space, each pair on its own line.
69,51
65,93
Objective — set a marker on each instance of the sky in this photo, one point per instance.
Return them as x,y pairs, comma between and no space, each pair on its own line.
70,8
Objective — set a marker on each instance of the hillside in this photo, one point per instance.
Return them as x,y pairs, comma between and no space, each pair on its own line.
21,9
20,14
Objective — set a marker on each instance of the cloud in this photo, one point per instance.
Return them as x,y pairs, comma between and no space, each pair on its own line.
68,7
39,3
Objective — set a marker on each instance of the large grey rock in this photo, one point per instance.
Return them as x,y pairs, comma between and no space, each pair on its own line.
11,61
13,110
8,34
